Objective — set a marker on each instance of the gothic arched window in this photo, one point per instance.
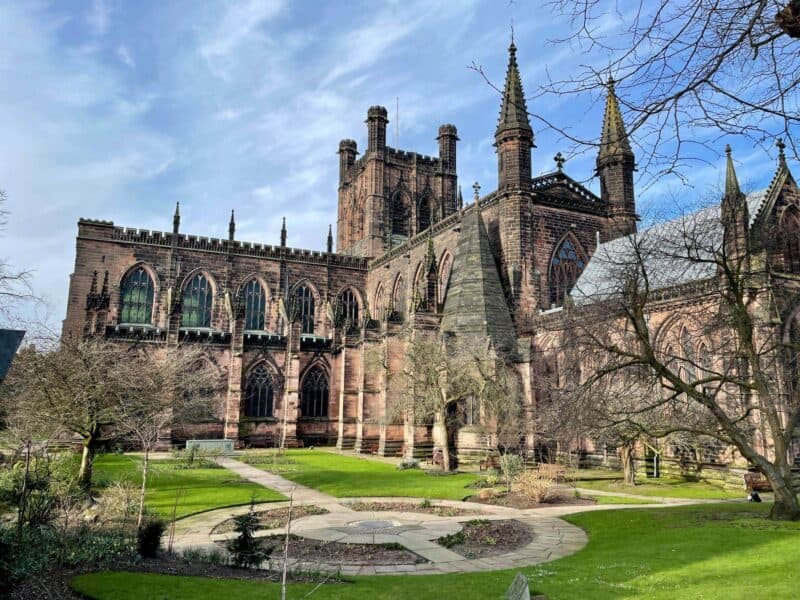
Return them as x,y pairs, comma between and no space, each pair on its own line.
790,234
259,393
379,308
565,267
398,311
255,304
348,305
197,300
305,308
314,394
444,276
424,214
136,297
687,350
398,217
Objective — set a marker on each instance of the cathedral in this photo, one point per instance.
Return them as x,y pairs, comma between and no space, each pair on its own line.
290,328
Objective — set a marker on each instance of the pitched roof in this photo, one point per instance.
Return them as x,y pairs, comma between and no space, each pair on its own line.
513,110
475,305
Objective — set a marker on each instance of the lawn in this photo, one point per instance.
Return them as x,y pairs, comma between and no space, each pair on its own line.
202,488
618,499
667,487
348,476
725,551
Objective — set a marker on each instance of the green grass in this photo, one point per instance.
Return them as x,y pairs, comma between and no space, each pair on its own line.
715,552
666,487
203,489
347,476
618,500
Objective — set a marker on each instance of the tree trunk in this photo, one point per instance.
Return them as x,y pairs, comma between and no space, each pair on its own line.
143,490
442,423
628,465
786,507
87,461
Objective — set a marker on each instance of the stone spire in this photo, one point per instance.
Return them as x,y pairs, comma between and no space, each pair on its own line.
731,182
735,217
231,228
283,233
176,218
330,239
513,110
475,307
614,141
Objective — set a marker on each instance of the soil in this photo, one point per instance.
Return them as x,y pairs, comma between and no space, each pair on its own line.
273,518
481,538
515,500
346,554
440,511
55,583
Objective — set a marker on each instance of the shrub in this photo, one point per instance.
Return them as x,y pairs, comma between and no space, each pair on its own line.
426,503
537,488
245,550
510,465
148,538
408,463
120,501
211,556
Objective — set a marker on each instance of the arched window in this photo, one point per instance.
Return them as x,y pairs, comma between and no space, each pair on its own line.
565,267
398,217
305,308
255,304
348,309
136,297
259,392
444,276
379,308
314,394
197,300
790,234
398,311
424,214
687,350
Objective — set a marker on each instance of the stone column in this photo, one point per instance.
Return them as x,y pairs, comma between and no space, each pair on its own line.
342,363
360,402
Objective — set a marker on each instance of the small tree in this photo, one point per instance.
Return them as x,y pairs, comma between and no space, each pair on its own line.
247,552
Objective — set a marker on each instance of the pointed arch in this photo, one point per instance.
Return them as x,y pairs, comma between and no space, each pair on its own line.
419,289
348,308
789,232
254,297
379,303
259,392
445,267
199,290
399,214
306,298
137,295
427,213
399,304
566,264
314,392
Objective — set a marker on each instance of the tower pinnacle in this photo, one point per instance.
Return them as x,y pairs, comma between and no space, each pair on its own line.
231,228
613,140
732,190
513,110
176,218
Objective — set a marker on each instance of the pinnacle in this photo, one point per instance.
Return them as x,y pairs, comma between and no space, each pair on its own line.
614,139
731,181
513,111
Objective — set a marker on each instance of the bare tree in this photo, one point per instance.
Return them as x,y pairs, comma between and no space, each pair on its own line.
14,285
167,387
678,327
681,66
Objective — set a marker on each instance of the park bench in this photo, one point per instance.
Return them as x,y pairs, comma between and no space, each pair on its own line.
550,471
489,462
756,482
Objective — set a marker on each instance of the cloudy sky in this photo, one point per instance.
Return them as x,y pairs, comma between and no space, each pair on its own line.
116,110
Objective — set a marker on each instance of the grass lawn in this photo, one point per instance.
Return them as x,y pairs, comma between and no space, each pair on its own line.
667,487
347,476
618,500
727,551
203,489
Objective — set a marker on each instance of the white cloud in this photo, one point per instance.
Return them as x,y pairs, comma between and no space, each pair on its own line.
99,17
124,56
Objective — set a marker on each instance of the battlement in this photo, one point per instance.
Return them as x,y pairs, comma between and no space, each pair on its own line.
106,230
408,157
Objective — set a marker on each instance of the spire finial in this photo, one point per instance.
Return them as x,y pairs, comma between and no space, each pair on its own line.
513,110
476,188
176,218
613,139
283,233
781,154
330,239
512,37
732,190
231,227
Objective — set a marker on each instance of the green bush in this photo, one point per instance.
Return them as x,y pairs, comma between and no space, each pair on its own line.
148,538
245,550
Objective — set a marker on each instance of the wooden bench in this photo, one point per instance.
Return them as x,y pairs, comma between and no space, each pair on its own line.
756,482
490,462
555,472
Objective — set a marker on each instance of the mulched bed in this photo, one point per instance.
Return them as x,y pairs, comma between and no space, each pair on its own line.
481,538
440,511
55,584
273,518
340,553
515,500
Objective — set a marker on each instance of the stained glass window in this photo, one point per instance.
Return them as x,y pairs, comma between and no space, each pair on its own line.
255,303
565,267
314,394
259,393
305,306
197,302
137,297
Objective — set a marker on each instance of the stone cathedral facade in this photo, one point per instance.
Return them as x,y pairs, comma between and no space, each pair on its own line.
290,328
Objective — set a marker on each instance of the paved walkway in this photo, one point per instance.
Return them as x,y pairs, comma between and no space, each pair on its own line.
553,537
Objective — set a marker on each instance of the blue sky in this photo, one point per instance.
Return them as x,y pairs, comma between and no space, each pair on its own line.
116,110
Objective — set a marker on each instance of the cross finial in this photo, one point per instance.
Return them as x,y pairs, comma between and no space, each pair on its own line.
781,147
476,187
728,149
560,160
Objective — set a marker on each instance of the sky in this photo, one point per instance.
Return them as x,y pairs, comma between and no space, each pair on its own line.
117,110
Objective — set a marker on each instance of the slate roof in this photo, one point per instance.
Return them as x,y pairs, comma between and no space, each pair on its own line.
475,305
663,252
10,339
